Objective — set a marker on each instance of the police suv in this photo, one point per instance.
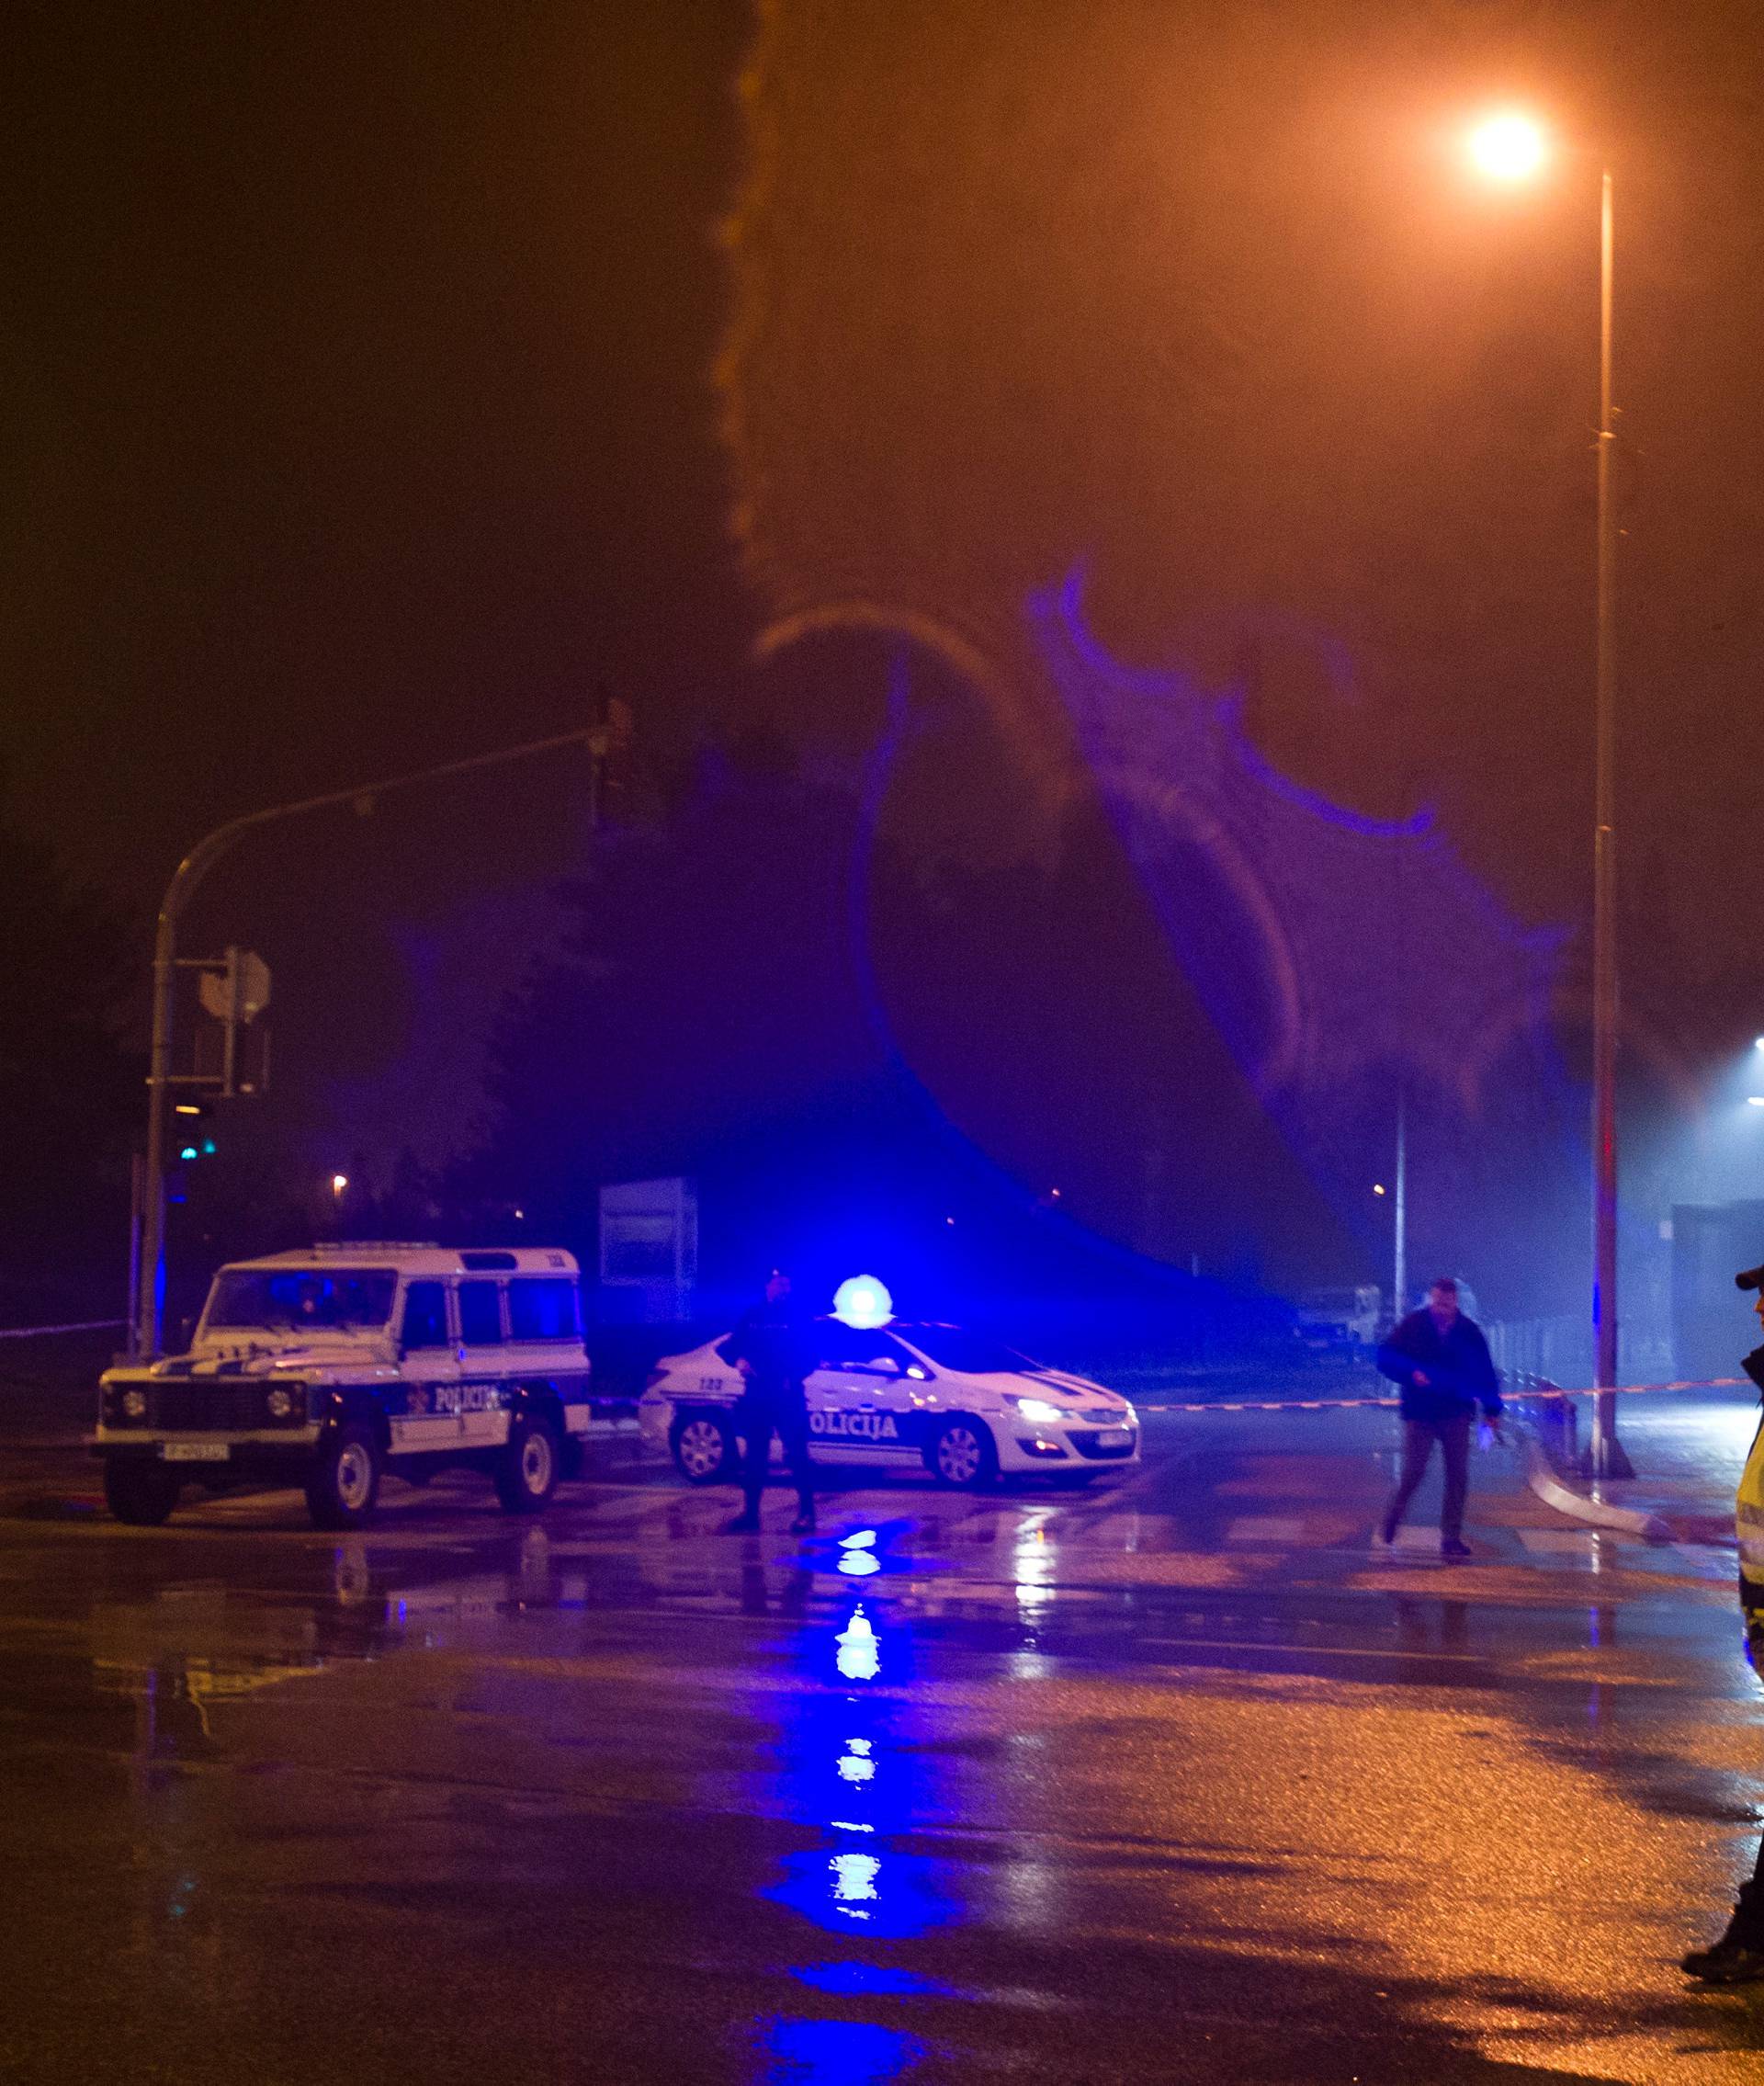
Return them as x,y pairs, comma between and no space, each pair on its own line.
898,1396
331,1366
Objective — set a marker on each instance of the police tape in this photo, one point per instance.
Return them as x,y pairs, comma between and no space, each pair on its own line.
1513,1393
41,1331
1631,1389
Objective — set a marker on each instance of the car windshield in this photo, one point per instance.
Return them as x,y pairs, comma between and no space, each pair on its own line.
968,1353
288,1299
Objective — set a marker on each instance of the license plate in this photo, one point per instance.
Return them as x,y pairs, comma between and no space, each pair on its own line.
1114,1437
193,1452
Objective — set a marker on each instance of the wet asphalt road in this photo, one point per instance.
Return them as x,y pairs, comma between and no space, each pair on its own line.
1165,1780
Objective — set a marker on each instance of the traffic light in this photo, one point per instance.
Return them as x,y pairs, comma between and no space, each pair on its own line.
191,1139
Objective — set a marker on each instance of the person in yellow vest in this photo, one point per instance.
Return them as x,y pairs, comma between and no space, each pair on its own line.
1738,1958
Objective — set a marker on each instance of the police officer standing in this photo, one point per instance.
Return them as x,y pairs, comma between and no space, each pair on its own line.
1738,1958
770,1347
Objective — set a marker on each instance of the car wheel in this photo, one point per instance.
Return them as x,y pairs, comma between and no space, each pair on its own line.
143,1494
704,1449
962,1453
527,1471
345,1483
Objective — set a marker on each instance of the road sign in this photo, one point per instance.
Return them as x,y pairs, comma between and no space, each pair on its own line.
238,989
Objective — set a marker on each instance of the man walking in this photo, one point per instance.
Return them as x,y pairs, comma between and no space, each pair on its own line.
770,1347
1738,1958
1439,1361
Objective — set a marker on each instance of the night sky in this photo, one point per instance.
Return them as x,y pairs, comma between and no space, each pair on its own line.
358,415
380,384
355,395
1204,301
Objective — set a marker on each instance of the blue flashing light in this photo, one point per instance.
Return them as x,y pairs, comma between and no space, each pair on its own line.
863,1303
859,1564
865,1539
208,1147
186,1151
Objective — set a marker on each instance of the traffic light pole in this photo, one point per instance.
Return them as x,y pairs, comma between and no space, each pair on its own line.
151,1303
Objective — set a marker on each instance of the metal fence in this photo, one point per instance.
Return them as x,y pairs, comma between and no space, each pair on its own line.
1560,1349
1556,1349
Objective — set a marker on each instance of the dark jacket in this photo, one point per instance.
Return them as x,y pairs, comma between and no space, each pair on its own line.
1456,1363
774,1339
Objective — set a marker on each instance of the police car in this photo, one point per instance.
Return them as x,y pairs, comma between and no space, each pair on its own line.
331,1366
886,1394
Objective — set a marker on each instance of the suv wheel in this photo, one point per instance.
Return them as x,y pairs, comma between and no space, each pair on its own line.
345,1483
143,1494
961,1453
527,1471
703,1450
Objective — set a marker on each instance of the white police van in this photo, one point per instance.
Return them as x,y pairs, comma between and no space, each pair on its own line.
884,1394
331,1366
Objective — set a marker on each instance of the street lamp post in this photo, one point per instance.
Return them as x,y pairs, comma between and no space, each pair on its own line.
150,1286
1511,147
1606,1455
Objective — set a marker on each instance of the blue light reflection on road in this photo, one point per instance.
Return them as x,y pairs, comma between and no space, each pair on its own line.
845,1979
836,2053
846,1771
864,1552
849,1770
860,1650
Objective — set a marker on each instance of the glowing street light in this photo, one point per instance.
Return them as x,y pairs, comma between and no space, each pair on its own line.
339,1182
1510,147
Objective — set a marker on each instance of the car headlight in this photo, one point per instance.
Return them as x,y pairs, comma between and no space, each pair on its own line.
134,1404
1039,1411
280,1404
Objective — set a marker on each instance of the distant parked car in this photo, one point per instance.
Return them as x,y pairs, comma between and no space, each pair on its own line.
1337,1321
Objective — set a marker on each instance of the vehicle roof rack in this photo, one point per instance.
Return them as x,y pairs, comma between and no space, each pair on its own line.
375,1246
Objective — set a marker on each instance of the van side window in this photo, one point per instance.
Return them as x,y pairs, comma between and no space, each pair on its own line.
425,1315
544,1310
480,1316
